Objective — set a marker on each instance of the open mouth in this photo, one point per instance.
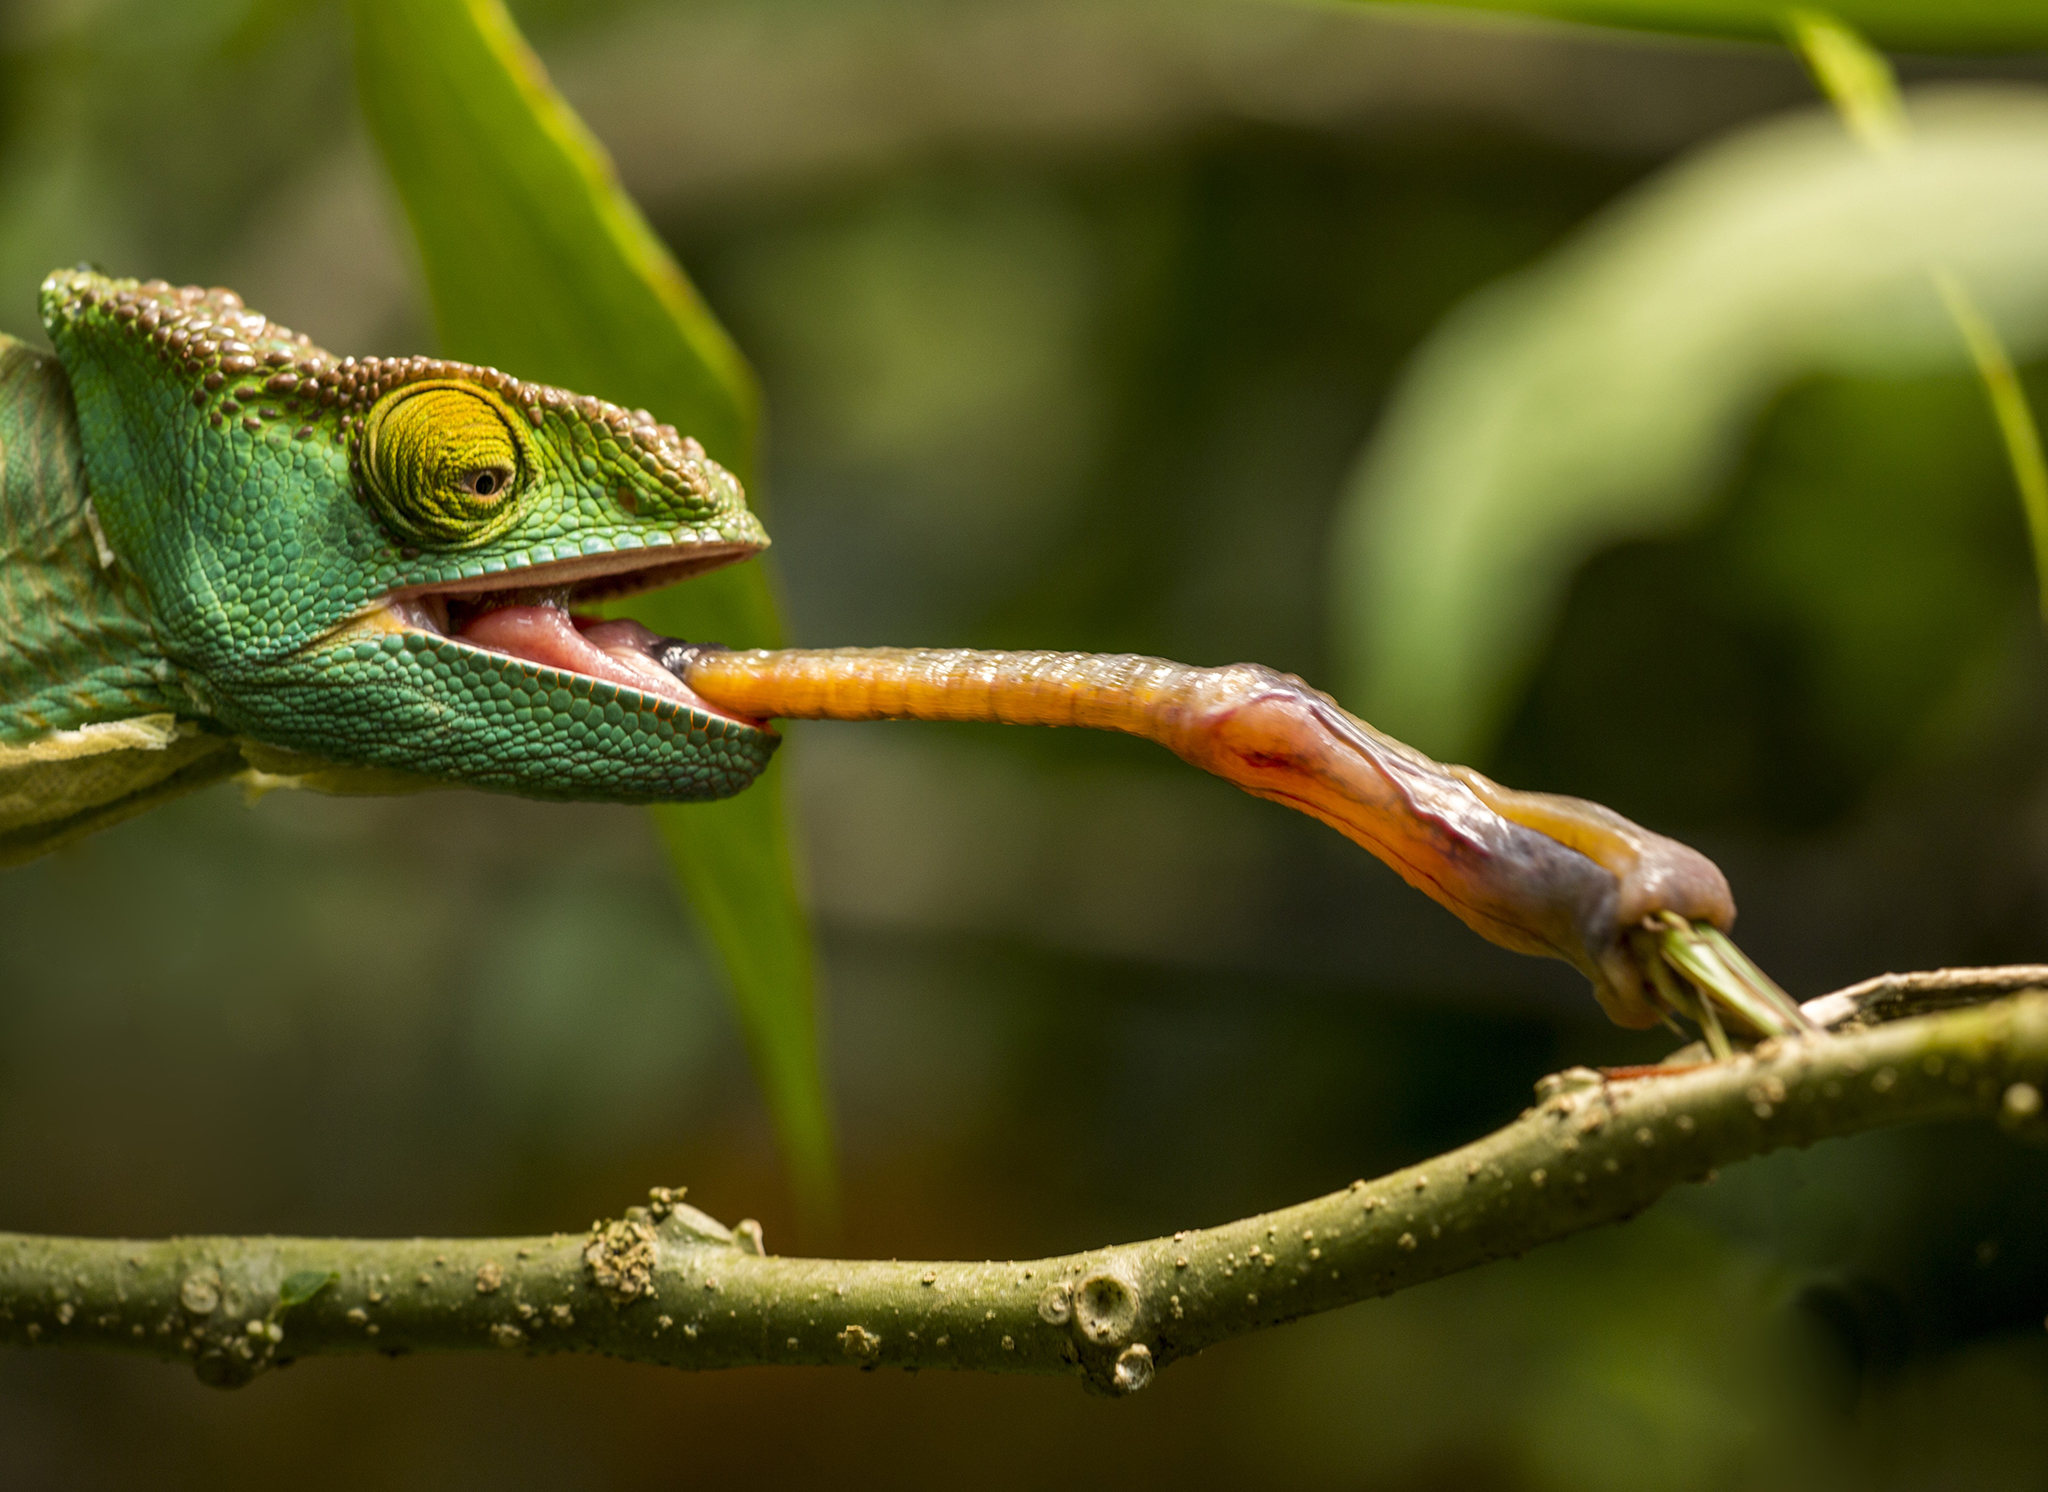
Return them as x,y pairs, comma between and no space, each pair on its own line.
528,615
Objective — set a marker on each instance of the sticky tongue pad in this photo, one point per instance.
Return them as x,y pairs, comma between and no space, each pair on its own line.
618,652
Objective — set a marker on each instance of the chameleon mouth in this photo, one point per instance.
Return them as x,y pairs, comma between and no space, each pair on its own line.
531,620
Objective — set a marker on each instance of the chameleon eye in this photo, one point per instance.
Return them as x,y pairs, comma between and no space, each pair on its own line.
442,459
489,481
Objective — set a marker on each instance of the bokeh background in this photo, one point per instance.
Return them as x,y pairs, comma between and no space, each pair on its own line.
1074,319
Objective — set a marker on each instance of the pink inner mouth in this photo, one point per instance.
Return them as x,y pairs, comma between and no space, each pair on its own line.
620,652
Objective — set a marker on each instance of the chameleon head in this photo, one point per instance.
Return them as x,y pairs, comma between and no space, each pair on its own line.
379,562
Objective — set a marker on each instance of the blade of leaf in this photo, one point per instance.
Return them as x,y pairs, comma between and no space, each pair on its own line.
1860,84
1907,25
2009,408
1602,394
1858,81
540,264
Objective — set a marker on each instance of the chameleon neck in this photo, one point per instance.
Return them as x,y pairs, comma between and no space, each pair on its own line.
76,647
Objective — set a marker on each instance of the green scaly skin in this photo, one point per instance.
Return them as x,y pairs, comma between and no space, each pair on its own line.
213,526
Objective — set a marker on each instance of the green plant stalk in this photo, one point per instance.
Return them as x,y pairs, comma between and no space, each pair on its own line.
538,262
1698,1007
665,1284
2009,407
1970,26
1699,973
1859,82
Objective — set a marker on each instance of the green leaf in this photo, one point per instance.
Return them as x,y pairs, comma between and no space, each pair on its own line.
1603,394
1861,85
1912,25
1857,80
303,1285
540,264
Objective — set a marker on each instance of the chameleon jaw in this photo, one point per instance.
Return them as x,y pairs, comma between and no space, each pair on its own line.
525,617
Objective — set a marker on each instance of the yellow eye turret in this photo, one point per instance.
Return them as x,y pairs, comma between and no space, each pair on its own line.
444,461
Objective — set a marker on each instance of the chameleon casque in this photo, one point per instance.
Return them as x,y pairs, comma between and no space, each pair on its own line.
225,552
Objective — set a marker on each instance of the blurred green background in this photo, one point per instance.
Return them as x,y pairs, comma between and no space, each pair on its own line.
1073,319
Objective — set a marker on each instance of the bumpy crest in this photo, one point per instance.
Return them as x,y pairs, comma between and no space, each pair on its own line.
389,564
244,368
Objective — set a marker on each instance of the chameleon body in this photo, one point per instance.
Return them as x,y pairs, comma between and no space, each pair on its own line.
226,552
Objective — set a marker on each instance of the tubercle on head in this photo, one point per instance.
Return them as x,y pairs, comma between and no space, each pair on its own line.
240,366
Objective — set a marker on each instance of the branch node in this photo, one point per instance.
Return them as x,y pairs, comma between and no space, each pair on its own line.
1106,1308
1133,1369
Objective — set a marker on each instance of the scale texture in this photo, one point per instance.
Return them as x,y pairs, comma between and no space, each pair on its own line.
204,517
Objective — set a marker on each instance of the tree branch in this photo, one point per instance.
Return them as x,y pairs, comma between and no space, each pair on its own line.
1891,997
666,1284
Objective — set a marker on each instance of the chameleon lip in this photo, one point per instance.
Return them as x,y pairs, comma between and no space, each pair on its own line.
597,577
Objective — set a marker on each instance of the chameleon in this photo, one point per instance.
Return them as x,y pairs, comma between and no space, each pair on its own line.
227,553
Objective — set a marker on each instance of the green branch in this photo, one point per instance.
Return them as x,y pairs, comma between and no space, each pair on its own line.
666,1284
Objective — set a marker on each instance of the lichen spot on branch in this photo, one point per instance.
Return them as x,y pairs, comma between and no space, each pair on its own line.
620,1257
